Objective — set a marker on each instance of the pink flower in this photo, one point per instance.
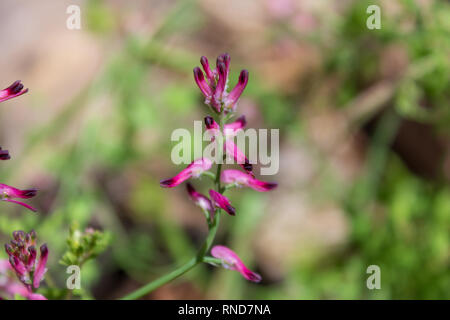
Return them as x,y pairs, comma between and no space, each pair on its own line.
200,200
229,146
23,258
231,129
4,154
195,169
214,87
221,201
235,94
239,178
9,287
8,193
12,91
230,260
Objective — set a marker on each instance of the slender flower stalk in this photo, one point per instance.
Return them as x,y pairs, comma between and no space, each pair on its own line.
213,84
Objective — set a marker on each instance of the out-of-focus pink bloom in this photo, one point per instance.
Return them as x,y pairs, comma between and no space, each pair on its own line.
230,260
215,86
23,258
14,90
200,200
8,193
195,169
221,201
232,176
4,154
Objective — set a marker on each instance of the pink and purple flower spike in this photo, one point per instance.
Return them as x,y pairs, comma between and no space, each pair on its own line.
214,86
222,202
14,90
238,178
8,193
201,200
194,170
230,260
23,258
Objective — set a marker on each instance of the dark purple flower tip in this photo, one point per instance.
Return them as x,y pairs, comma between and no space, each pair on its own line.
222,202
243,77
167,183
209,74
242,121
269,185
209,121
230,209
18,235
221,67
247,166
4,154
40,268
28,193
14,90
15,87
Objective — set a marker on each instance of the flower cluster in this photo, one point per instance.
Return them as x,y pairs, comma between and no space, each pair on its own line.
213,85
8,193
23,259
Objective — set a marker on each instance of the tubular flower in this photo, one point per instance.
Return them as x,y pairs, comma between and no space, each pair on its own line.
239,178
230,260
214,87
8,193
221,201
14,90
23,258
9,287
195,169
4,154
200,200
229,146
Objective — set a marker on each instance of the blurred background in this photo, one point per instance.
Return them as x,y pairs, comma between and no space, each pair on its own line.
364,142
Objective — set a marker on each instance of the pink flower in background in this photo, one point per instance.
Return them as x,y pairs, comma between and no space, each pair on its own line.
24,261
8,193
4,154
195,169
214,87
200,200
232,176
14,90
230,260
221,201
